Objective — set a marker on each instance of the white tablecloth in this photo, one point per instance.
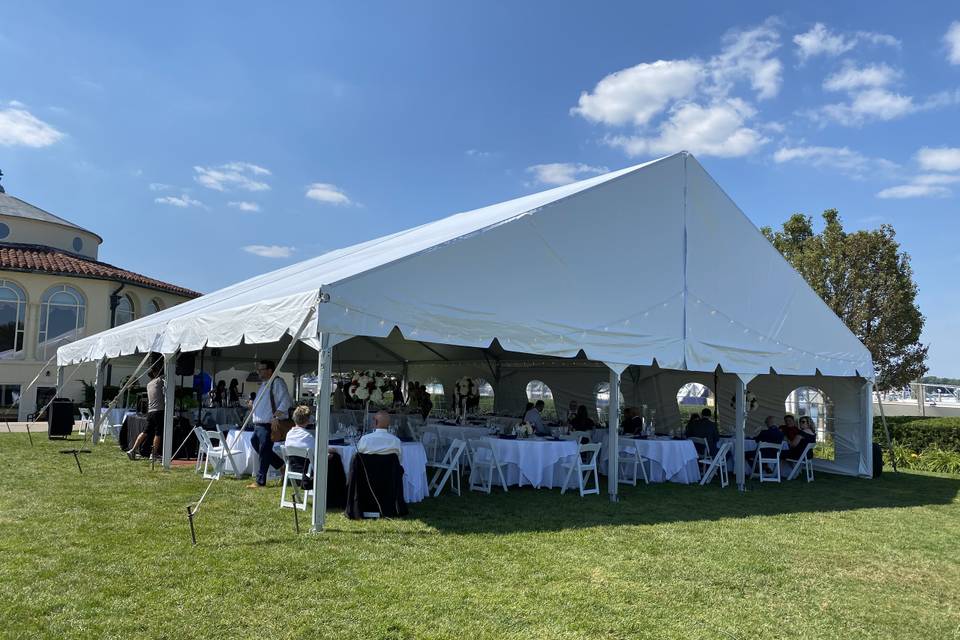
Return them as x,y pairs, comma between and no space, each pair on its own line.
248,459
672,460
116,416
451,432
413,458
533,461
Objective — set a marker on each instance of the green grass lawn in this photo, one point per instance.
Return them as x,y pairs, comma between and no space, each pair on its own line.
107,554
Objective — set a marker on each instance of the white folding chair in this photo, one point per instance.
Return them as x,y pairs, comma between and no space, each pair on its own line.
85,422
217,454
629,461
291,477
430,438
583,437
583,468
768,455
714,464
484,458
703,451
447,469
804,461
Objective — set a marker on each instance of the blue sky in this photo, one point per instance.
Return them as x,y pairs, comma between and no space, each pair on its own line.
207,142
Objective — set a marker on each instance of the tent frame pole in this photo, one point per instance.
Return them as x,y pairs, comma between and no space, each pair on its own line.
739,458
613,437
170,387
98,396
324,365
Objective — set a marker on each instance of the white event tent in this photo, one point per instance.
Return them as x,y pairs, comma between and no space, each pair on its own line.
647,278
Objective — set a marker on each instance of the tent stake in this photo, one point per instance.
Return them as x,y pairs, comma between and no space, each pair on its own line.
29,435
193,533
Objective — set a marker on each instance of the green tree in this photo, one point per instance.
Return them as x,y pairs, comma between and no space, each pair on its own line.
867,280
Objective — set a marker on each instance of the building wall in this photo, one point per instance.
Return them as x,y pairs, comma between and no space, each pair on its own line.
97,300
26,231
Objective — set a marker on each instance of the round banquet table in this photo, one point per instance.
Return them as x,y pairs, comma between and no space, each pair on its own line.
533,461
413,459
671,460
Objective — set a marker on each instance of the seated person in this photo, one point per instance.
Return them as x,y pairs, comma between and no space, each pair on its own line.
771,433
380,441
804,435
571,412
534,417
300,435
704,428
581,421
789,427
632,421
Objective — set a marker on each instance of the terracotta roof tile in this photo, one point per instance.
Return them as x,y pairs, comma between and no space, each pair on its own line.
49,260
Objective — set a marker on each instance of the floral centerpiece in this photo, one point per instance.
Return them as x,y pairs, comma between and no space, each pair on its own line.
750,402
369,386
523,430
465,392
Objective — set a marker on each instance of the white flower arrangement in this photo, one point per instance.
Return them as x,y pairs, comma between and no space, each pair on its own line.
466,388
523,430
750,402
369,386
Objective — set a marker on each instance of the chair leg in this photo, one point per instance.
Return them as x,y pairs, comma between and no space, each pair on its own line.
503,479
566,480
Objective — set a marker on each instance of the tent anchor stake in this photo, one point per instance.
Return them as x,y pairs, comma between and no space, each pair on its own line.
193,533
29,435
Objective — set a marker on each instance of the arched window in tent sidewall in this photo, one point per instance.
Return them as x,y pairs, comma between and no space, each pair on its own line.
813,402
13,307
694,397
435,388
602,401
486,395
124,312
63,315
537,390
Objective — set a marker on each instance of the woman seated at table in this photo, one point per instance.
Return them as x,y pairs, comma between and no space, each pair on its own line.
581,421
803,436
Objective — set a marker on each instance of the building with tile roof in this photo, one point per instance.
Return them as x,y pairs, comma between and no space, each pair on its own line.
53,290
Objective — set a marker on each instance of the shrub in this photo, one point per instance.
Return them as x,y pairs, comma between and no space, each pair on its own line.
919,434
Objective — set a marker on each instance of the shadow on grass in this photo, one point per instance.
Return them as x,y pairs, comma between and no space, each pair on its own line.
546,510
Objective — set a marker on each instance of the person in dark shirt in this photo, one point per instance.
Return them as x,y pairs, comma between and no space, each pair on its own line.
705,428
789,427
632,422
581,421
805,434
771,433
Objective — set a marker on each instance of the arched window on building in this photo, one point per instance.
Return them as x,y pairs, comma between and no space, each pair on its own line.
694,397
63,315
154,305
124,312
13,308
537,390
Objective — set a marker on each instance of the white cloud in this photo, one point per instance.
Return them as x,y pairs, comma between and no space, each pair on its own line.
181,201
864,106
952,39
269,251
240,175
159,186
477,153
19,127
852,77
747,55
558,173
820,40
716,130
842,159
327,193
244,205
914,191
637,94
936,178
939,158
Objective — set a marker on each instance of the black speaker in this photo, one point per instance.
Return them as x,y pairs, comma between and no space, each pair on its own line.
186,364
60,418
877,460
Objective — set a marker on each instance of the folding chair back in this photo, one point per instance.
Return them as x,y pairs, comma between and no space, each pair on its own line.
703,449
447,469
585,463
768,461
484,463
629,462
715,464
294,479
804,461
430,438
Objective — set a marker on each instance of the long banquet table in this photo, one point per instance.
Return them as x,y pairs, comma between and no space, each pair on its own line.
672,460
533,461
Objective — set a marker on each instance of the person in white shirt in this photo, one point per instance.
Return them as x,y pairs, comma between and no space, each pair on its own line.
380,441
156,400
266,406
535,418
300,436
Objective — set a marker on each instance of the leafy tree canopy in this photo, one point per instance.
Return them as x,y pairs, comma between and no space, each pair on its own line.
867,280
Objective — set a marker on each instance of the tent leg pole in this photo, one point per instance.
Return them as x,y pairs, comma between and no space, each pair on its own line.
324,363
98,399
886,430
170,386
739,458
613,440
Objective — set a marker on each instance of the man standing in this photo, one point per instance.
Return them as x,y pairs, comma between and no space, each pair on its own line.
156,393
268,404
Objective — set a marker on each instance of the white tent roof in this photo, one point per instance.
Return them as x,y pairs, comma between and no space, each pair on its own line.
649,262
